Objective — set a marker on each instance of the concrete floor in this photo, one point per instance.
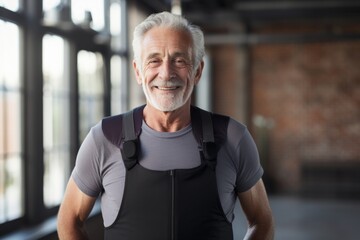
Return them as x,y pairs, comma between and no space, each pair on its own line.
295,219
309,219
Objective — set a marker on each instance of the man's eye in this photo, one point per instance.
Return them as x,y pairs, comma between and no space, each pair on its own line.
180,62
154,62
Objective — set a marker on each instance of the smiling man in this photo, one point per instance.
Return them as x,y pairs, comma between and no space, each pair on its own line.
167,170
167,73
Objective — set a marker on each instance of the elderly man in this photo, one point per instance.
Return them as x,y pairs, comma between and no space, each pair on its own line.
167,170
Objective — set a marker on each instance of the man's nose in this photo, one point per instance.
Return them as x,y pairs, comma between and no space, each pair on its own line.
166,71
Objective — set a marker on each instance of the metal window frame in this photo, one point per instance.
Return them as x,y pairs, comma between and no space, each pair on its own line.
29,19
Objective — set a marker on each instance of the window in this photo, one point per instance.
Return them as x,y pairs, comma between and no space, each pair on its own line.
88,12
117,41
11,148
118,44
91,90
12,5
56,120
50,4
117,85
115,18
56,81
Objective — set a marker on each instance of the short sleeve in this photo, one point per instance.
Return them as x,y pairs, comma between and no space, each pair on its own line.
249,168
86,173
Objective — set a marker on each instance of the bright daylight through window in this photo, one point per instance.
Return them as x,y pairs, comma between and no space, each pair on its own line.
11,156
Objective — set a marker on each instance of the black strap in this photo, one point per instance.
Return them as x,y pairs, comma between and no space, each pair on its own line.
128,128
130,145
131,127
208,141
207,126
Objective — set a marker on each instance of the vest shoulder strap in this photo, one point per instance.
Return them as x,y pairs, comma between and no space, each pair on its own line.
209,129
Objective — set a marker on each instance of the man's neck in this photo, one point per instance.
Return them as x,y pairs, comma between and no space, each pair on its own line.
167,121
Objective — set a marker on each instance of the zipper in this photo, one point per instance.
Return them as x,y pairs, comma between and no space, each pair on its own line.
172,174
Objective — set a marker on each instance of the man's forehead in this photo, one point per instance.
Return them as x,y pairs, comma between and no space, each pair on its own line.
167,36
166,42
173,54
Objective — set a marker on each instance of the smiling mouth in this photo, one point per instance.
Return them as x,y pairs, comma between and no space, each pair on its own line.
167,88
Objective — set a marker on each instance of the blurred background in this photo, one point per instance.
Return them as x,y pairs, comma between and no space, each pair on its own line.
288,69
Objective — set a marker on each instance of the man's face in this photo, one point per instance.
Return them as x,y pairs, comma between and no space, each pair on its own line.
166,72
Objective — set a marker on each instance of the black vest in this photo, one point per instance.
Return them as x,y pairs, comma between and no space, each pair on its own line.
180,204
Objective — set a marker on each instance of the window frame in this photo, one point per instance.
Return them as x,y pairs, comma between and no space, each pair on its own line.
29,19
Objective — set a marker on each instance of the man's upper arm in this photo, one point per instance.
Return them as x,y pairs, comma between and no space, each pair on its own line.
74,210
255,205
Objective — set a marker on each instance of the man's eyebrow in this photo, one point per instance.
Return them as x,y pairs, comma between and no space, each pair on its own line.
174,55
152,55
180,54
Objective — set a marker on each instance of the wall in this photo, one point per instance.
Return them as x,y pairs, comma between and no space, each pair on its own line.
303,96
230,65
311,95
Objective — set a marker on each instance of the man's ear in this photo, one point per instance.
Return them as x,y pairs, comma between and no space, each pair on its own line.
199,72
137,72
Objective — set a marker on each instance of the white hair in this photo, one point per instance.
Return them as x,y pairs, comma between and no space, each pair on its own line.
166,19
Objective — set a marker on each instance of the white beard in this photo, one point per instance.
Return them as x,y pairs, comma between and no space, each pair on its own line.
167,102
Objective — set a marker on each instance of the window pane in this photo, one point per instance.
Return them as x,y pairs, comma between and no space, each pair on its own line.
50,4
91,90
95,7
11,194
116,24
115,18
9,57
117,100
12,5
56,107
11,162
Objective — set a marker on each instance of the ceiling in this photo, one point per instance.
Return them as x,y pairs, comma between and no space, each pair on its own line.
221,18
213,13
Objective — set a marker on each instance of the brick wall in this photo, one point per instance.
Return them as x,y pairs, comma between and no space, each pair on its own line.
230,74
310,93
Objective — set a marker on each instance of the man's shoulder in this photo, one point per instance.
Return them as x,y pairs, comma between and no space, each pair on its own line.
112,125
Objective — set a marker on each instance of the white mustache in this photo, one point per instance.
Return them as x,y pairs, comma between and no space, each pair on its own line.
167,83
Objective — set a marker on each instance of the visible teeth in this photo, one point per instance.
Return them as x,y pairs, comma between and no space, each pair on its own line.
167,88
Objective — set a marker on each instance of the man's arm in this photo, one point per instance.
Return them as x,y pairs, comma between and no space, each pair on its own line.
73,212
255,205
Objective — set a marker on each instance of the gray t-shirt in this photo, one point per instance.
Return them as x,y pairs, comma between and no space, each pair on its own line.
99,168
